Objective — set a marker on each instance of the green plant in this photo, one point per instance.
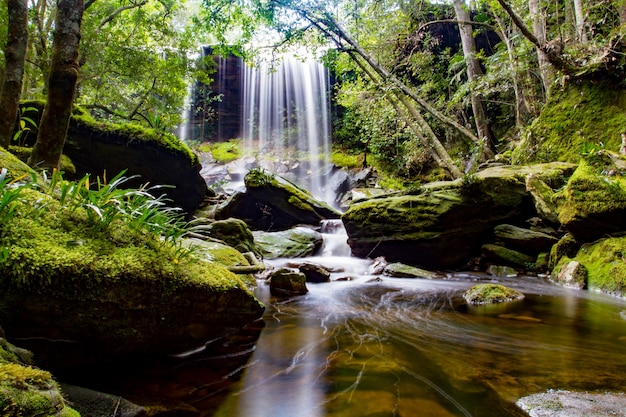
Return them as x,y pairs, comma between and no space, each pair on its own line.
9,193
23,124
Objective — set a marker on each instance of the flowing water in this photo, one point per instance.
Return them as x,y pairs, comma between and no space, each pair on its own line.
366,345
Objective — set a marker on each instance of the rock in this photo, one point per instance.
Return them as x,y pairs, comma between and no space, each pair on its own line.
233,232
296,242
271,203
524,240
378,266
566,246
98,404
543,197
572,275
285,282
501,271
604,261
400,270
491,294
500,254
443,225
561,403
314,273
158,158
591,205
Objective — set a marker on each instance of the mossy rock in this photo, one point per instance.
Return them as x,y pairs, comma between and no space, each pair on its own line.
566,246
500,254
604,261
524,240
592,205
400,270
491,294
235,233
110,291
285,282
442,225
296,242
271,203
576,115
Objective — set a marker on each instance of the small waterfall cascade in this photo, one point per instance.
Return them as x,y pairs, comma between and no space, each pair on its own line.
285,120
335,239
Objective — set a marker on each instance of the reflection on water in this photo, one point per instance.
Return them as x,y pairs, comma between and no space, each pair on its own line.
391,347
405,347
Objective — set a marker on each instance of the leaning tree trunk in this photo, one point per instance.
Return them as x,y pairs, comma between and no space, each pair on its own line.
55,119
474,72
15,57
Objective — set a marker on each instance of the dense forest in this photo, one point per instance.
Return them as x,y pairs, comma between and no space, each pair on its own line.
420,85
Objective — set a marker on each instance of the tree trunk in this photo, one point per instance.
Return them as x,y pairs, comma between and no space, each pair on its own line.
55,119
15,57
474,72
539,29
579,16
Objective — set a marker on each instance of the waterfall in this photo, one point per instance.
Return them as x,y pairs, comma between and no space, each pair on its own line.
285,120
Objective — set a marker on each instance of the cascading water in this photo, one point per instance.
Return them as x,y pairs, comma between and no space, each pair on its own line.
286,119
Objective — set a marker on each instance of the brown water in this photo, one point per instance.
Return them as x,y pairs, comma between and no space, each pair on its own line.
405,347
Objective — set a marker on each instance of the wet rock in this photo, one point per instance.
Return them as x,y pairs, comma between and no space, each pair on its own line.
543,198
285,282
442,225
296,242
567,246
501,271
524,240
314,273
272,203
400,270
233,232
561,403
491,294
505,255
572,275
378,266
98,404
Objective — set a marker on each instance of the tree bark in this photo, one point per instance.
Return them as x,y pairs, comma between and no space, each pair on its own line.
579,16
64,66
15,57
474,72
539,29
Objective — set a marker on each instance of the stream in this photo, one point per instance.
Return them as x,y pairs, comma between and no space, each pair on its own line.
366,345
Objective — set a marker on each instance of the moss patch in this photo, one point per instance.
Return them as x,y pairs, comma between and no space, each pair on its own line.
579,114
226,152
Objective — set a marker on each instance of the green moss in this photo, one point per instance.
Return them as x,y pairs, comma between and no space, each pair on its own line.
345,160
605,265
580,113
296,202
588,192
226,152
491,293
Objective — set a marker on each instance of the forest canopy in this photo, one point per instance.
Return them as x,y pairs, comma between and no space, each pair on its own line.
420,85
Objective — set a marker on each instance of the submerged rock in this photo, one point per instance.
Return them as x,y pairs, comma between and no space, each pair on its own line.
491,294
561,403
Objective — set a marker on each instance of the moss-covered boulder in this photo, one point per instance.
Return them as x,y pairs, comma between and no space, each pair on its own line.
443,225
491,294
272,203
78,291
525,240
578,115
604,262
233,232
26,391
104,149
296,242
593,205
571,274
500,254
400,270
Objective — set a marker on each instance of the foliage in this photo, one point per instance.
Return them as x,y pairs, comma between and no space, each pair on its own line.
225,152
24,124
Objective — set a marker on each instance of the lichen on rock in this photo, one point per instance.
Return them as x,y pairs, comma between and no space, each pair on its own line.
491,294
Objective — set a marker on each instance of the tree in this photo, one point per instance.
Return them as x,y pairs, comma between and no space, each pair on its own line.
15,55
473,73
62,81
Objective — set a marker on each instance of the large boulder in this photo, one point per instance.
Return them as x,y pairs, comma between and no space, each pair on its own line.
272,203
444,224
593,205
158,158
77,292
